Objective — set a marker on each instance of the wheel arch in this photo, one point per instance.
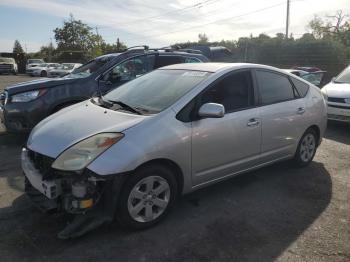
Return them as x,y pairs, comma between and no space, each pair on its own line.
317,131
169,164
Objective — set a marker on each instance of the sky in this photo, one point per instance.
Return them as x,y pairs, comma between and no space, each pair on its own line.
157,23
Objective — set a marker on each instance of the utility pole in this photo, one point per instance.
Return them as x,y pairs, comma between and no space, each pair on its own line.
287,20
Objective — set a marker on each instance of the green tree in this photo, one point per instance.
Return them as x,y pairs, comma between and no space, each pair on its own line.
17,48
113,48
48,53
203,39
335,26
76,37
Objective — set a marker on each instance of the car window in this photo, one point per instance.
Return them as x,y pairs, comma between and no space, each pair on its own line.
191,60
164,60
234,92
300,86
274,87
130,69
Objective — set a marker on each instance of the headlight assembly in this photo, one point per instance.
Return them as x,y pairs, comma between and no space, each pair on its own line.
27,96
84,152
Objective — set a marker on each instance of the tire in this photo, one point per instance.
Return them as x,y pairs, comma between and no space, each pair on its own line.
306,149
43,74
147,197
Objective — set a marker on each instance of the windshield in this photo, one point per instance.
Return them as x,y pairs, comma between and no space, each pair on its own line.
89,68
343,77
157,90
6,60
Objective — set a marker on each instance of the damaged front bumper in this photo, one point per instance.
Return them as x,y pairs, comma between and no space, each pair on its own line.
92,199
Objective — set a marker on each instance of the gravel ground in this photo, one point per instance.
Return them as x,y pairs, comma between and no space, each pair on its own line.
278,213
7,80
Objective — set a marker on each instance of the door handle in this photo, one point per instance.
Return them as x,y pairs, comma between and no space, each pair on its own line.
301,110
253,122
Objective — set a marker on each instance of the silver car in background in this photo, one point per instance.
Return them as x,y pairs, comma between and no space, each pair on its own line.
63,69
130,153
42,69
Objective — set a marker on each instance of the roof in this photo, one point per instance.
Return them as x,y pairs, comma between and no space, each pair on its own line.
215,67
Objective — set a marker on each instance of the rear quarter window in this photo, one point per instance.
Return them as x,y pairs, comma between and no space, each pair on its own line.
274,87
300,86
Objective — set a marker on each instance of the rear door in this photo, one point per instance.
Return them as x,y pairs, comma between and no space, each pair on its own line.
223,146
281,113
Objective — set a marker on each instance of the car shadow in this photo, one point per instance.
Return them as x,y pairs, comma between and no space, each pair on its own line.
338,131
255,216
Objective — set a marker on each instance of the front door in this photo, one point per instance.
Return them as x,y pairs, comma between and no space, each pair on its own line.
224,146
126,71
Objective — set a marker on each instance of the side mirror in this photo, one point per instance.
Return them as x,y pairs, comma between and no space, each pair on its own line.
211,110
333,79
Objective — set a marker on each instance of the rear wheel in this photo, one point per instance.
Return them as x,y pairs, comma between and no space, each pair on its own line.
147,197
306,149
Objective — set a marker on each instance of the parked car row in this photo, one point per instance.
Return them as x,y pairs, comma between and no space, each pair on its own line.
36,67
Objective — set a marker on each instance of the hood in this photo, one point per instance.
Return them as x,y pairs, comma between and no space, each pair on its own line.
38,84
338,90
61,130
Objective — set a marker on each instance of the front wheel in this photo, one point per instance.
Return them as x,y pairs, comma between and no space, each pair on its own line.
43,74
147,197
306,149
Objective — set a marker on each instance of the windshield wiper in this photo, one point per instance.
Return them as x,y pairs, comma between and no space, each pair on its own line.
123,105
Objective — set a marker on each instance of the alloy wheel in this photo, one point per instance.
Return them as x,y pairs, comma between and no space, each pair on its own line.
148,199
307,148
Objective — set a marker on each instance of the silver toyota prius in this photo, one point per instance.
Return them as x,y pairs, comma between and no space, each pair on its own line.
130,153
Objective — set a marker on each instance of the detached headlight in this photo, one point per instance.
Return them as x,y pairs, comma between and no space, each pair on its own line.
83,153
27,96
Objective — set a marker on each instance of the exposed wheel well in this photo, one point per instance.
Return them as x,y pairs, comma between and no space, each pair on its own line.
172,166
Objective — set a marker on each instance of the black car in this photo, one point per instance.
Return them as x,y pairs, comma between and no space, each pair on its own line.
23,105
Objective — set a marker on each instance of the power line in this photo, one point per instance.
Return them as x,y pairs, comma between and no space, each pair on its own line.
200,4
184,22
213,22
